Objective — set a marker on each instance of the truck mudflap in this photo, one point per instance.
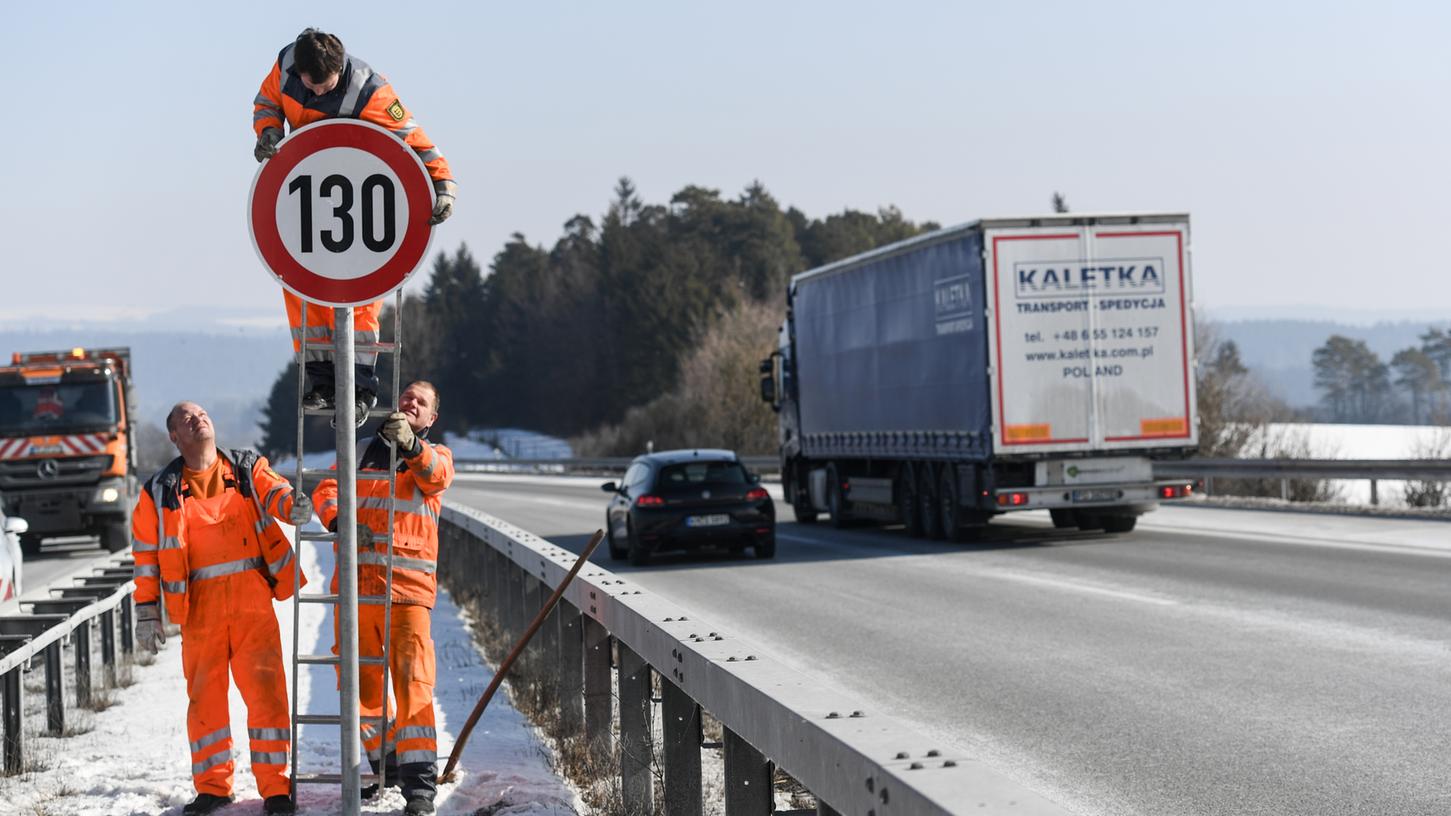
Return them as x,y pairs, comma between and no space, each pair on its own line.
1139,496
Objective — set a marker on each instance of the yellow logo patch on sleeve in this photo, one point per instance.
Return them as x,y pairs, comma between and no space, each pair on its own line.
396,111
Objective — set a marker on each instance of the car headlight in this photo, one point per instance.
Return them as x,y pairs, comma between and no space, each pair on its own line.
107,495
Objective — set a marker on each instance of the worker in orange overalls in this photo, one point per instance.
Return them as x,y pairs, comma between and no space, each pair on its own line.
315,79
425,470
206,544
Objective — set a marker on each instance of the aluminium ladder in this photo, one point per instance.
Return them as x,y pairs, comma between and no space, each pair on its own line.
300,719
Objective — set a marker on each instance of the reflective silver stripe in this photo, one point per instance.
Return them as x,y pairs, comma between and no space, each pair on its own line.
266,113
276,566
214,738
211,762
365,336
269,758
319,332
410,757
146,571
399,562
330,504
356,82
376,754
227,568
417,506
272,494
416,732
142,546
427,470
429,155
263,524
407,127
174,587
264,101
269,734
169,543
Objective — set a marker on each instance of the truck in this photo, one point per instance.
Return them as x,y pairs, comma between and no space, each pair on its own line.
68,448
998,366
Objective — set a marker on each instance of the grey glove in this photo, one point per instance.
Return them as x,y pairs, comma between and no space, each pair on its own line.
301,509
365,536
443,201
267,144
397,430
149,634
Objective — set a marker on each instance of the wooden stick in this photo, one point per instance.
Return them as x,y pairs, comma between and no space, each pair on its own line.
447,775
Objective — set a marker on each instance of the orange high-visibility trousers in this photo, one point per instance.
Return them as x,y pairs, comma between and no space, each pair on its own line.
320,327
412,736
231,625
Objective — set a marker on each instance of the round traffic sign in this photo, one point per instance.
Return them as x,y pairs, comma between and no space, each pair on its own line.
340,215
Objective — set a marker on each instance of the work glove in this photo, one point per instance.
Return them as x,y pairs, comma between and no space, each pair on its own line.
149,634
301,509
443,201
267,144
397,431
365,534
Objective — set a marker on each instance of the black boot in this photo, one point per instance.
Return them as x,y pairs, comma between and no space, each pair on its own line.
418,806
320,389
205,803
279,805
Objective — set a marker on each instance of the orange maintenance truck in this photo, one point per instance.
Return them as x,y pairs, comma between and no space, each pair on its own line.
67,445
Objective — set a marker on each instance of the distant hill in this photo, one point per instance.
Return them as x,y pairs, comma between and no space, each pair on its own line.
1279,351
229,372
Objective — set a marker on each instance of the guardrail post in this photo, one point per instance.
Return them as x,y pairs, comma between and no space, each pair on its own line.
1374,493
549,643
571,668
1285,489
82,646
682,750
54,690
14,730
128,636
635,748
747,778
533,598
597,697
516,601
108,646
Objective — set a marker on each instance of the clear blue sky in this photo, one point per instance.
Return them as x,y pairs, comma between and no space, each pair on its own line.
1309,141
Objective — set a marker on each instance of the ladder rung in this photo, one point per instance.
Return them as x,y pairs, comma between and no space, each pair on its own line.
331,778
332,719
376,600
328,345
332,660
364,476
377,539
375,411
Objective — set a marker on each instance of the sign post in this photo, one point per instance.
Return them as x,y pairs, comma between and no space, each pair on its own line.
340,218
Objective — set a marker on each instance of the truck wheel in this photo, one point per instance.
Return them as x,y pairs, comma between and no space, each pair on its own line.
801,504
1090,522
949,509
927,502
836,504
115,537
30,544
1063,519
907,502
1120,523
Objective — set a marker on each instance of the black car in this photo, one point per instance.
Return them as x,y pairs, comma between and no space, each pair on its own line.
687,499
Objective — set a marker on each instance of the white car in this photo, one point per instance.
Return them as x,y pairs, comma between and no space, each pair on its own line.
10,557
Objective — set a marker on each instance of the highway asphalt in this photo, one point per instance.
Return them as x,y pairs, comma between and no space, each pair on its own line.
1212,662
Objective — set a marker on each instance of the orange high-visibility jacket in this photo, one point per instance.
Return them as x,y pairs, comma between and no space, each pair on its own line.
422,478
361,93
164,565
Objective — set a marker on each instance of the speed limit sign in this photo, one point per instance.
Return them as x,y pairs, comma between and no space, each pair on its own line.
340,215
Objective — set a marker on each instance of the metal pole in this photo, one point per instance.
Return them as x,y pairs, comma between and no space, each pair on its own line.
597,697
54,690
81,642
14,727
635,749
681,729
747,778
344,418
571,668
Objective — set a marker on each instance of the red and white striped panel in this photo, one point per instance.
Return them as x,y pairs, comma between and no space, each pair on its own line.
73,445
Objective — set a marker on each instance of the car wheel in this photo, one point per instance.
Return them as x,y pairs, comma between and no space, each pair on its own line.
115,537
30,544
907,502
1120,523
639,556
927,502
617,553
1063,519
836,504
766,549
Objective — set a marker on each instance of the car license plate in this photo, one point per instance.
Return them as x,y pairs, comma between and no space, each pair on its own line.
1095,495
707,521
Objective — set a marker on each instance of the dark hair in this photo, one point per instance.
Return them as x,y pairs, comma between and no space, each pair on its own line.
318,55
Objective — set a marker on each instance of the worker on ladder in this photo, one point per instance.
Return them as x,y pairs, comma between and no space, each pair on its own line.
206,544
424,473
314,79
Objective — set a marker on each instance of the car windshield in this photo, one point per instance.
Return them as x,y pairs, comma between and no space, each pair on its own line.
36,410
694,474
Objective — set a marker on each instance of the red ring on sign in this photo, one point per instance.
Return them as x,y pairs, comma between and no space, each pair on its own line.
380,144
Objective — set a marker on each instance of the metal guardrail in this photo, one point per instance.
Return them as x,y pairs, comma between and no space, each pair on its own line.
852,757
1286,470
52,624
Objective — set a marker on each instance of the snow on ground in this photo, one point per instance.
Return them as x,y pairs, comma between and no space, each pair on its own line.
135,760
1326,441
